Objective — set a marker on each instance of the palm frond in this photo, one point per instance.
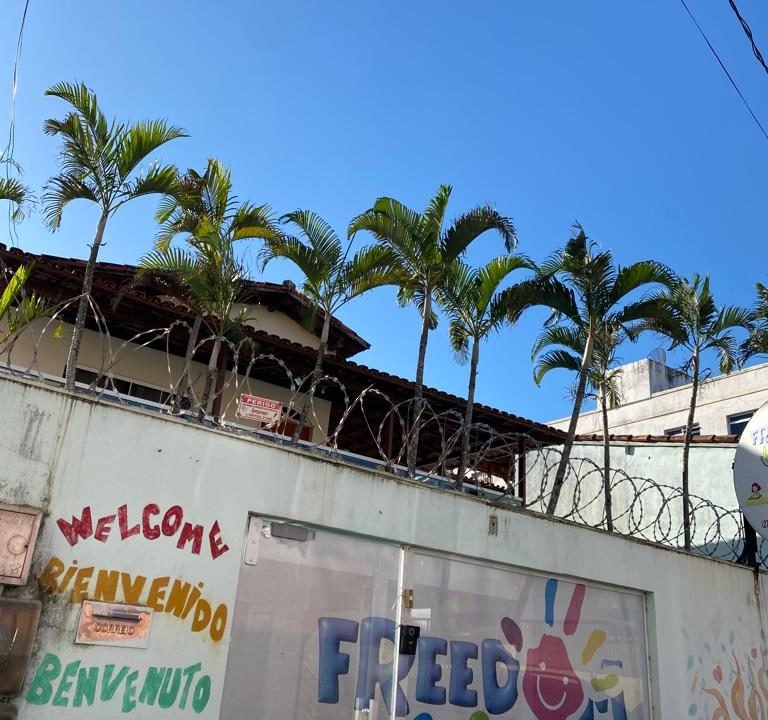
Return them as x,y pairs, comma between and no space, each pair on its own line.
571,338
61,190
470,225
18,195
252,222
555,360
430,223
158,180
322,239
84,100
637,275
139,141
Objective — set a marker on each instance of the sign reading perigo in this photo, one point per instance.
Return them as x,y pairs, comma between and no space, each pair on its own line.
750,471
253,407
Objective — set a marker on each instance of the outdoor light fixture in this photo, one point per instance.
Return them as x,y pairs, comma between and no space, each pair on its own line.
18,625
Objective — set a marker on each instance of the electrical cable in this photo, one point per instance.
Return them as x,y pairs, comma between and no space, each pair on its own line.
748,33
6,156
725,70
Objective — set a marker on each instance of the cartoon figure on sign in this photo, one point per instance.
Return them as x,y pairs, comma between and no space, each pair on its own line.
551,687
757,497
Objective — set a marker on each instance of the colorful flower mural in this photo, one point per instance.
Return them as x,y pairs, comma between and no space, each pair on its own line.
728,680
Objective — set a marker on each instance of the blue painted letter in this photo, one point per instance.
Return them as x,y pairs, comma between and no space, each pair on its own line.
462,676
498,699
372,672
429,671
332,632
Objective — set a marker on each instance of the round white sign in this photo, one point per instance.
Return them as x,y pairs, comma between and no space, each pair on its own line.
750,471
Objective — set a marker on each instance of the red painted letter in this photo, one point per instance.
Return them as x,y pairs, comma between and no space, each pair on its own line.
103,526
151,532
217,544
122,519
77,528
193,533
172,520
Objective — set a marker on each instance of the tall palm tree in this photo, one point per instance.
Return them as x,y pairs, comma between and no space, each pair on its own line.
208,272
569,343
423,253
696,324
331,277
585,290
475,307
100,161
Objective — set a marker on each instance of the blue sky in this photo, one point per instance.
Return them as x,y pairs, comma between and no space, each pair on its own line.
614,114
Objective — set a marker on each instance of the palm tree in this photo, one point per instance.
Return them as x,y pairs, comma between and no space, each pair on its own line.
569,344
100,161
331,278
475,308
584,290
423,254
208,273
696,325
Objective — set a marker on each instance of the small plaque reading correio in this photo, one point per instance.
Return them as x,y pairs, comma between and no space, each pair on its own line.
114,624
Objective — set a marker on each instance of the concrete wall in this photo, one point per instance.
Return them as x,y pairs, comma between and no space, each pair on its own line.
646,480
719,398
73,457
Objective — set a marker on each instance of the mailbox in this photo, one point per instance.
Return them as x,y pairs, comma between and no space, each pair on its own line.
18,625
18,532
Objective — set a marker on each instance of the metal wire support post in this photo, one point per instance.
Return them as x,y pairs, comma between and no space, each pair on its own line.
749,553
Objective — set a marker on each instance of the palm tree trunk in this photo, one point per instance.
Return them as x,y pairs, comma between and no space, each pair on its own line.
686,451
606,460
317,373
468,413
571,434
209,375
221,372
418,401
82,307
184,383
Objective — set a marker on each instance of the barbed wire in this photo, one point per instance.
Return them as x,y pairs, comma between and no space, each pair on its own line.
643,508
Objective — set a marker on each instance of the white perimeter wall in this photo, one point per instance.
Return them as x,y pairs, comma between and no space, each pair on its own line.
65,454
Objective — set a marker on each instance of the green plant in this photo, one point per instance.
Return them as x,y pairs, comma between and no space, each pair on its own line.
423,252
331,277
101,162
208,273
476,307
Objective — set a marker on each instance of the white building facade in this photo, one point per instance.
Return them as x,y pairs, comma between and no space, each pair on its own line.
656,399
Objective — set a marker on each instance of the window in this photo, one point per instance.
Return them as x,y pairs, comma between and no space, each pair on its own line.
680,430
122,387
737,422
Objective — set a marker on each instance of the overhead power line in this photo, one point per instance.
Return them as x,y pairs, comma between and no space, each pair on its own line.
725,70
748,32
7,154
